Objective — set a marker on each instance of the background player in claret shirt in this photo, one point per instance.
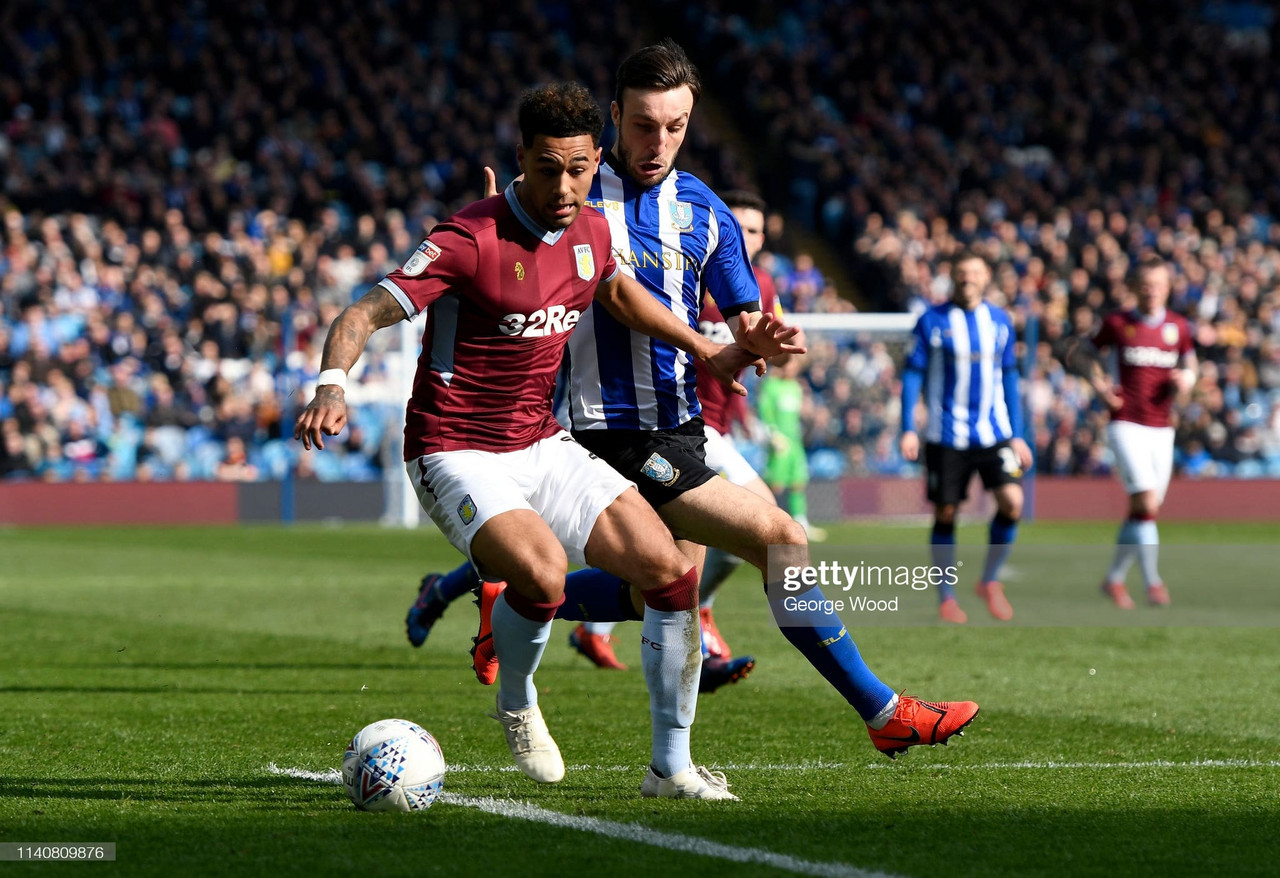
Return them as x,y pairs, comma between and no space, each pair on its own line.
1157,361
963,358
507,279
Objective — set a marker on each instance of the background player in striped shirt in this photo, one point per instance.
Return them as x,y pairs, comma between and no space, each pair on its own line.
506,280
1156,362
963,357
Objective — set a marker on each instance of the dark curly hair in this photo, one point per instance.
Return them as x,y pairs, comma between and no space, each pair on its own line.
560,109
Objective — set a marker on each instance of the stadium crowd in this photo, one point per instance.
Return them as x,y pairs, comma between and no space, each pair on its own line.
1064,141
191,193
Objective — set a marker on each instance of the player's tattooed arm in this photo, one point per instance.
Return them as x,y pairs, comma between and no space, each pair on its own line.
326,414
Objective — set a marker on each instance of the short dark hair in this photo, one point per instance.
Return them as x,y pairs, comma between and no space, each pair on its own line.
964,254
1151,261
660,67
743,198
560,109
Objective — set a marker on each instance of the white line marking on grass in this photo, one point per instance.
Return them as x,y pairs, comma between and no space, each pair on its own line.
330,776
633,832
333,775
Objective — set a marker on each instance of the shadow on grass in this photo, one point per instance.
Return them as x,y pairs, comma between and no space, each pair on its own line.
271,790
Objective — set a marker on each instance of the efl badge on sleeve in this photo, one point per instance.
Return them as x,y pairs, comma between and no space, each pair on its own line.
681,216
426,254
1169,332
467,510
586,262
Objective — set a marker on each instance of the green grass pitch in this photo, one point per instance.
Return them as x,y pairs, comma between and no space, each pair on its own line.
149,676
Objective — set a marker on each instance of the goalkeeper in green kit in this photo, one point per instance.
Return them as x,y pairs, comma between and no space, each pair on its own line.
787,472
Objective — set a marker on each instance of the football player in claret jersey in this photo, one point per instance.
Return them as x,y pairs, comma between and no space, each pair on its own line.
507,280
963,357
1156,361
633,400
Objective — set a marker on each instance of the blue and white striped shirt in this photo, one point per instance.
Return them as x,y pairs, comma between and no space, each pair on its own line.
676,239
965,357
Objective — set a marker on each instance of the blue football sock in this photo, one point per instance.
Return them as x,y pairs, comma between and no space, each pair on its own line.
1126,551
591,595
1002,534
942,547
823,639
457,582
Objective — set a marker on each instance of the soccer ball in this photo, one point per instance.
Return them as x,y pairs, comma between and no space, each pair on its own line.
393,765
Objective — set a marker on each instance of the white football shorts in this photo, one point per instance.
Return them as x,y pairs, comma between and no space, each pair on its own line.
1144,456
725,459
557,478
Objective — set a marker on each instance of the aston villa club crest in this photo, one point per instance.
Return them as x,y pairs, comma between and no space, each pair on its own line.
426,254
660,470
1169,333
467,510
681,216
586,262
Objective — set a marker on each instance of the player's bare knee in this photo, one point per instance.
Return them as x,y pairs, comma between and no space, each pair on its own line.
1010,508
544,581
655,569
789,533
945,514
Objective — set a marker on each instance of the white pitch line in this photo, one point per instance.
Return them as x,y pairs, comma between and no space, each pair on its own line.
633,832
332,775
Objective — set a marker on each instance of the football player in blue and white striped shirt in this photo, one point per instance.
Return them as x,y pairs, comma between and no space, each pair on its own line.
963,357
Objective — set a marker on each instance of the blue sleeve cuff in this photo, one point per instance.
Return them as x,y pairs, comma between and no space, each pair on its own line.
912,383
1013,401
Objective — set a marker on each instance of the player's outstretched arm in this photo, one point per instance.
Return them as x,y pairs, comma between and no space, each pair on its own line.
633,306
326,415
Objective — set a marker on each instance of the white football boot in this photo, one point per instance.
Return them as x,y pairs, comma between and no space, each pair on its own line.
534,749
695,782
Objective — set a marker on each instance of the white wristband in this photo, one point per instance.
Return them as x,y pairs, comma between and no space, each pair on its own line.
333,376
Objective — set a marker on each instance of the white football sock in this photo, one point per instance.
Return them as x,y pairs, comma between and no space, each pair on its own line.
519,644
671,654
